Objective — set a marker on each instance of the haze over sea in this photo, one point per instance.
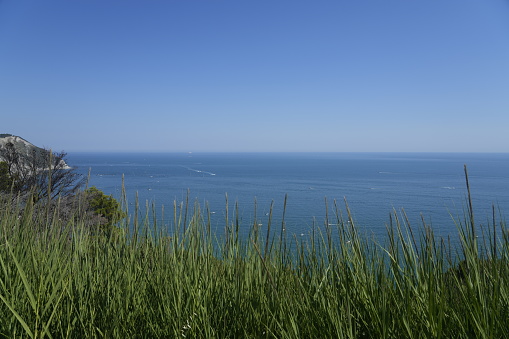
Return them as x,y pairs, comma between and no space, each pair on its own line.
431,184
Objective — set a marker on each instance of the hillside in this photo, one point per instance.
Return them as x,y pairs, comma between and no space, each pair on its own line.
23,147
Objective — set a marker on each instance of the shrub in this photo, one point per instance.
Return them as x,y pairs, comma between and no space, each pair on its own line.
105,206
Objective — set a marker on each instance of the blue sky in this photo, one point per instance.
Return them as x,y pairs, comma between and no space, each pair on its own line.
191,75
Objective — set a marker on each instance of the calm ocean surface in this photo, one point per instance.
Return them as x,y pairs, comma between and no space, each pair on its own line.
431,184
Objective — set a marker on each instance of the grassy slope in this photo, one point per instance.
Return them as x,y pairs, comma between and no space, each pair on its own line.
61,281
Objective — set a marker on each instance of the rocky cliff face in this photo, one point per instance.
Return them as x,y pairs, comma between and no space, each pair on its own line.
23,147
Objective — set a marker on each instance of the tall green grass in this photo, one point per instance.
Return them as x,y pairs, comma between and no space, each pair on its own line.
63,280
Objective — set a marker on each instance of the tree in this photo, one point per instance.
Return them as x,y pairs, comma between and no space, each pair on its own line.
5,179
104,205
52,189
98,212
39,173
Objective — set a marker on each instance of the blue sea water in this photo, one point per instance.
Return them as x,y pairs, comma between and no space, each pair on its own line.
427,184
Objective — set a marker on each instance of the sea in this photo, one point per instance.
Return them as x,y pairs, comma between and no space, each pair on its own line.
306,188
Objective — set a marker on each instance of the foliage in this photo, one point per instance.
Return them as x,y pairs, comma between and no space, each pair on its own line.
105,206
39,176
181,281
39,173
6,180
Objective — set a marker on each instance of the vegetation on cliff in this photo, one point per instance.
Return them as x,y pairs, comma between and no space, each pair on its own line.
40,181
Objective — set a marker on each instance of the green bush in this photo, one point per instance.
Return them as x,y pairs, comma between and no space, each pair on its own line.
105,206
6,180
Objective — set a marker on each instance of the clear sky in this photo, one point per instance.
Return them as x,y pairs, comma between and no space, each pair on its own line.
256,75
